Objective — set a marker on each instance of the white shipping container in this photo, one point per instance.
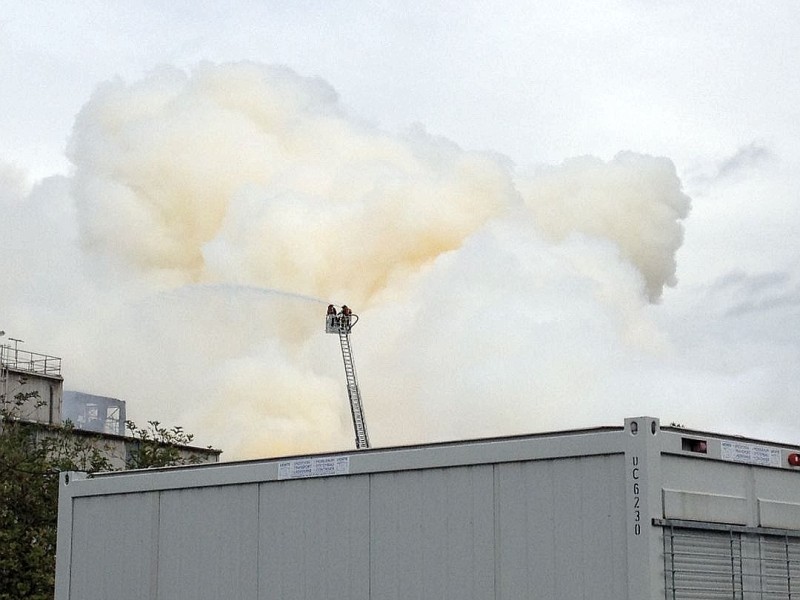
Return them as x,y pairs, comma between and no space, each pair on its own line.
615,513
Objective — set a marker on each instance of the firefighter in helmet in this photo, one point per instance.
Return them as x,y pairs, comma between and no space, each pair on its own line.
331,320
344,316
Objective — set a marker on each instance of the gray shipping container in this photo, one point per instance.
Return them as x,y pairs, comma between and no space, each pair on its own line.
615,513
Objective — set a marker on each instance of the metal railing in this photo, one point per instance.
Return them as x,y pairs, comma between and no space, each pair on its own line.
29,362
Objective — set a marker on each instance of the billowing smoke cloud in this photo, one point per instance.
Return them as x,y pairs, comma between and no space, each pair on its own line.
633,201
217,212
248,174
13,184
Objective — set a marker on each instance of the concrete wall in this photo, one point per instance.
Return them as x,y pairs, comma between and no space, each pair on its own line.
44,407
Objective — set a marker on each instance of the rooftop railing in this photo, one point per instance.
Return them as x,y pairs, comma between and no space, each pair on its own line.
29,362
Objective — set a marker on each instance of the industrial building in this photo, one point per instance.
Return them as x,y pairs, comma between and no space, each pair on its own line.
35,376
94,413
45,406
634,512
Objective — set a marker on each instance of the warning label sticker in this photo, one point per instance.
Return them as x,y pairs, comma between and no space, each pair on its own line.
751,454
323,466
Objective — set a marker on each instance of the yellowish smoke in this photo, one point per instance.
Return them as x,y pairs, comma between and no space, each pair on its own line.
219,210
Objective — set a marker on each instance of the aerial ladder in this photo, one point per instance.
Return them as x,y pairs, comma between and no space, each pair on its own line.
341,323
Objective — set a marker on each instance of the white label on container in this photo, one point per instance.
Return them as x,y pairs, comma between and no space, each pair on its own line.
323,466
751,454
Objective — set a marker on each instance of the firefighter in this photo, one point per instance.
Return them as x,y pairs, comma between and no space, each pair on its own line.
331,319
344,316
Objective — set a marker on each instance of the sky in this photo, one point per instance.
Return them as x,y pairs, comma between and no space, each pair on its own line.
548,215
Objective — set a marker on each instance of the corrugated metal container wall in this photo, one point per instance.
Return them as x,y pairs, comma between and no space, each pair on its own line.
731,529
314,538
432,534
113,546
562,528
549,529
208,543
637,512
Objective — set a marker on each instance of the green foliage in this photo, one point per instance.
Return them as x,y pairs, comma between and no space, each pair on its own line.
30,462
27,540
31,458
158,446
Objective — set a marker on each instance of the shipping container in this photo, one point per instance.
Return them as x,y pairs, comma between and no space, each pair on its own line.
633,512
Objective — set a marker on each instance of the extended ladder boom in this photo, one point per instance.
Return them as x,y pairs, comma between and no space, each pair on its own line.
342,323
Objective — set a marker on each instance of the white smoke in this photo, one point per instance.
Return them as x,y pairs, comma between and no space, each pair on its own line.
633,201
13,184
217,212
228,174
